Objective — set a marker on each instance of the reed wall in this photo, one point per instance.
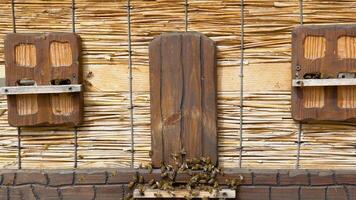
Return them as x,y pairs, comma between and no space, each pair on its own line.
269,135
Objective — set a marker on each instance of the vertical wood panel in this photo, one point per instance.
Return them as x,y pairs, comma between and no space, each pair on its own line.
192,99
183,96
209,118
155,96
172,93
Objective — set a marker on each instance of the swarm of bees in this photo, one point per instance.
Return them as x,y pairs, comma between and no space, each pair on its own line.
202,172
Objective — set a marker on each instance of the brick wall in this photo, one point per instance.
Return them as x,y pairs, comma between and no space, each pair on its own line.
111,184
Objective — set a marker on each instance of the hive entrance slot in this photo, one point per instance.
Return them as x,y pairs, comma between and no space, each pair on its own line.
346,75
316,75
25,82
60,82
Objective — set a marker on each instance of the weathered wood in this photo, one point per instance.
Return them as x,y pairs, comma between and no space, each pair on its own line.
43,59
318,52
183,96
323,82
172,94
155,88
40,89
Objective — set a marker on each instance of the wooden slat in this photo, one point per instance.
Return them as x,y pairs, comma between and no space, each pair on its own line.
192,97
209,118
323,82
156,112
171,93
41,89
154,193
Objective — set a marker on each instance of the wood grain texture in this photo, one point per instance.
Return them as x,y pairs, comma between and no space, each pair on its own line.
49,56
62,104
25,55
313,97
312,60
346,97
183,96
27,104
60,54
314,47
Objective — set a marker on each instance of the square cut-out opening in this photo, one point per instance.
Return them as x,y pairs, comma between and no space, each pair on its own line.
62,104
346,96
314,47
346,47
25,55
26,104
60,54
313,97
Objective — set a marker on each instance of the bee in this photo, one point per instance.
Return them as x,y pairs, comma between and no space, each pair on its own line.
208,160
149,167
163,169
135,177
183,152
216,184
173,175
202,181
154,186
157,194
195,193
151,182
131,185
164,174
128,197
195,161
187,197
169,167
171,193
141,179
174,155
141,190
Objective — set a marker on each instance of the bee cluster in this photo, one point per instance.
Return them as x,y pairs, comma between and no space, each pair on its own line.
202,176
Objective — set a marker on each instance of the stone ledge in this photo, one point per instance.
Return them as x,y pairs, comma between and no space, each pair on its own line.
112,183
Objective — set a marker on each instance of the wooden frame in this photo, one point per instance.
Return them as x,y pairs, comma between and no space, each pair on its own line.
43,59
324,52
155,193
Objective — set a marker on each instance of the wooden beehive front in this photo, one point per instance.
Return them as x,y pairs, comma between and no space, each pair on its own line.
183,97
44,59
324,52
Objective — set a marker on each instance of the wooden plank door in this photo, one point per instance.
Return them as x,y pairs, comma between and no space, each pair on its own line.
183,96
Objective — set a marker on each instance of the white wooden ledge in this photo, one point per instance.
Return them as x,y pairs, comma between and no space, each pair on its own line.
323,82
181,193
40,89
